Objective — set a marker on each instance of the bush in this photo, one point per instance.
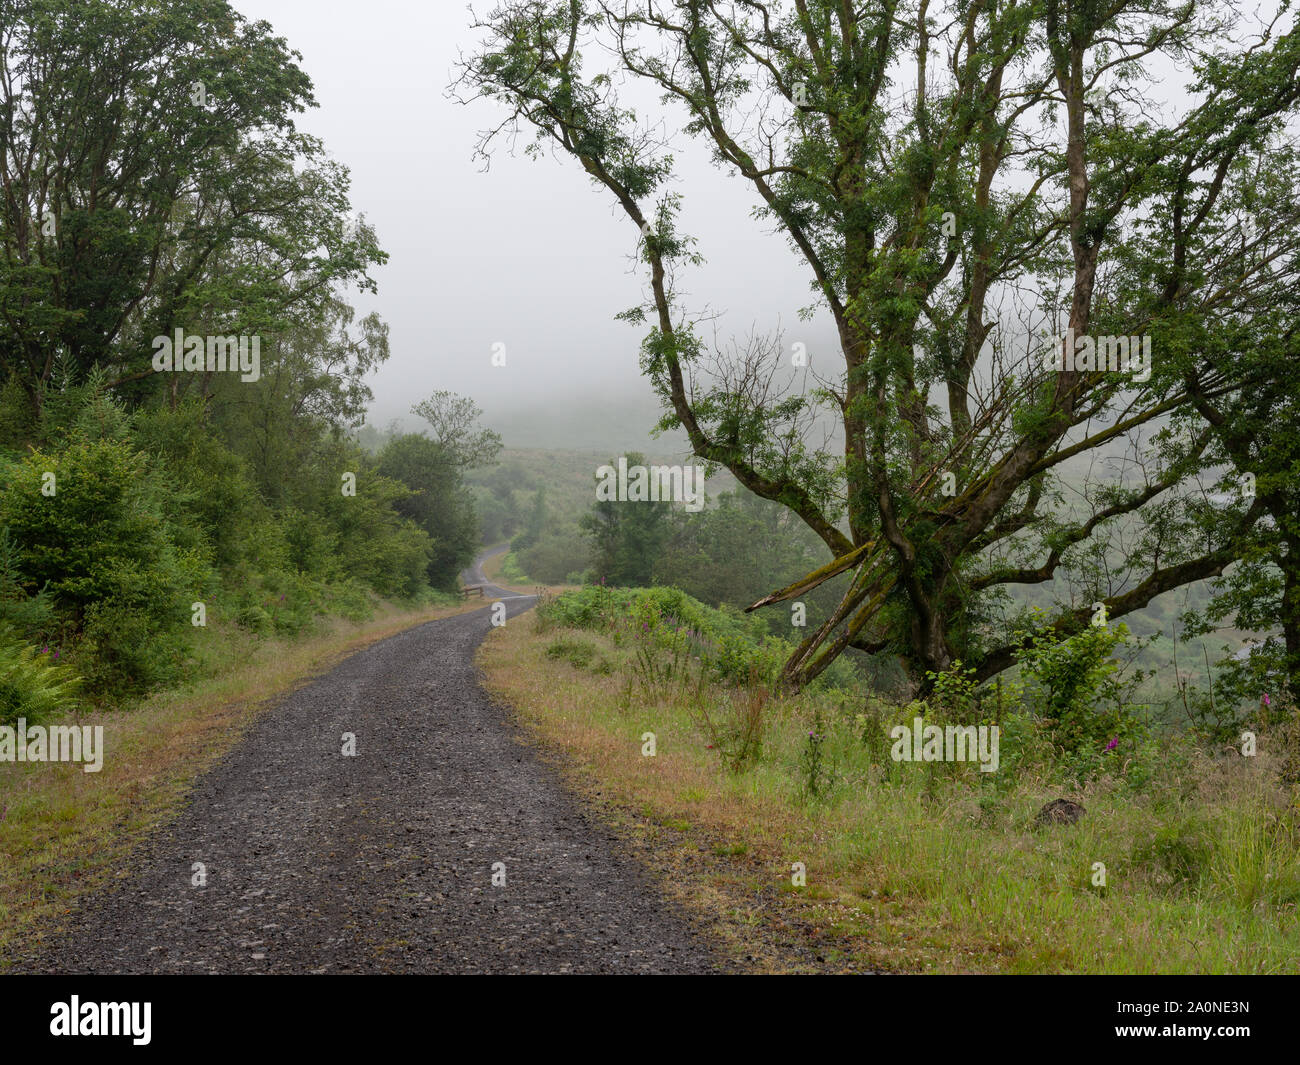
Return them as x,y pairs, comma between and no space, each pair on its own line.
510,570
1075,687
1176,855
106,551
368,540
30,616
735,728
254,619
735,647
211,498
581,654
123,653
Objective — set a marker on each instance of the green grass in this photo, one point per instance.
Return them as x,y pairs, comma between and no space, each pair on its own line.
917,867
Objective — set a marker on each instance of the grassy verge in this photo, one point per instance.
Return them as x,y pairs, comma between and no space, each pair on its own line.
912,867
64,832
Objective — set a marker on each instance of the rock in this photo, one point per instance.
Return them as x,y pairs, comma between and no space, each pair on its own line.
1060,812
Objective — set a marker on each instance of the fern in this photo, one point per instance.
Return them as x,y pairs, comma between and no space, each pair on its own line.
31,686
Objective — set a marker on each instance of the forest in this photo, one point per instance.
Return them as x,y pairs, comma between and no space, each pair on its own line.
975,646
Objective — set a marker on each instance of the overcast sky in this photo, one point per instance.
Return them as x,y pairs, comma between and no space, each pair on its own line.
529,254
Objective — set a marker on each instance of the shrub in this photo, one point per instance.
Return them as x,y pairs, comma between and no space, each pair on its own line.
735,728
1177,854
124,654
733,646
104,547
510,570
211,498
30,615
814,774
1075,687
578,653
254,619
554,557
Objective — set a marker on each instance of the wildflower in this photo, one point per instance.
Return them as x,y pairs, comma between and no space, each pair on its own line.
1266,702
1114,742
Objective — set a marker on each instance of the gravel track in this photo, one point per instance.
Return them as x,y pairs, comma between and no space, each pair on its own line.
382,862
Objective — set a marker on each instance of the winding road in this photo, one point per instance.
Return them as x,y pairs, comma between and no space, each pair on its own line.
383,861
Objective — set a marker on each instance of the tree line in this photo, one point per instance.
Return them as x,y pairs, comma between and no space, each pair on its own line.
153,180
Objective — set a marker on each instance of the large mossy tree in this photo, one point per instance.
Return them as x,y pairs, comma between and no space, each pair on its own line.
965,183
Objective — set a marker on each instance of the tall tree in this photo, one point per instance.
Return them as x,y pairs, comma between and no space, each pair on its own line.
454,420
151,177
627,536
974,188
439,503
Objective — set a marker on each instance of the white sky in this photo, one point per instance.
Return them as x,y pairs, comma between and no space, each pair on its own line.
529,254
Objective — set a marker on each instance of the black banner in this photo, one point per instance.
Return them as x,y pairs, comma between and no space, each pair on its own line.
147,1014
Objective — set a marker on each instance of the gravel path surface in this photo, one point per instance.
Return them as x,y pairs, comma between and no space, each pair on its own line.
383,862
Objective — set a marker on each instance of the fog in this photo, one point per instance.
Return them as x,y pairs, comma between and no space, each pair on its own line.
529,254
525,253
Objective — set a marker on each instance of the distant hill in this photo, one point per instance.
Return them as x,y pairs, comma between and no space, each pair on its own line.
583,422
